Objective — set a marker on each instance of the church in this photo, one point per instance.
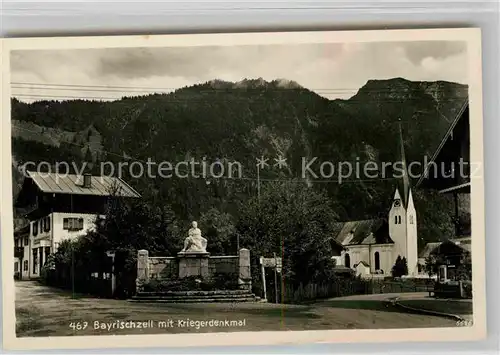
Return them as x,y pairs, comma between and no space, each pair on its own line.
372,246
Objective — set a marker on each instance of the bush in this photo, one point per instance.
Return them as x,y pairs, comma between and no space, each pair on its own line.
218,282
467,286
225,281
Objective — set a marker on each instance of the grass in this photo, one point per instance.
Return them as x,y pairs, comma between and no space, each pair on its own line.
443,306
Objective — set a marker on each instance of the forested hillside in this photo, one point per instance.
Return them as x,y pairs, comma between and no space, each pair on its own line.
244,121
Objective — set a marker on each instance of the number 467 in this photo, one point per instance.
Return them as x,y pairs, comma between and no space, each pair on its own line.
78,325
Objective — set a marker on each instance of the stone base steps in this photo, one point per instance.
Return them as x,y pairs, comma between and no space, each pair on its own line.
229,296
196,300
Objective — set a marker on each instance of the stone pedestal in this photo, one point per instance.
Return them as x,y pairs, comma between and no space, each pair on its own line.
245,275
142,269
193,264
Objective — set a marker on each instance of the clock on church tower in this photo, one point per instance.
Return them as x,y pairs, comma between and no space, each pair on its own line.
397,203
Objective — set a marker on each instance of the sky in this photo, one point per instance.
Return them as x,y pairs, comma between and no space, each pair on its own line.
332,70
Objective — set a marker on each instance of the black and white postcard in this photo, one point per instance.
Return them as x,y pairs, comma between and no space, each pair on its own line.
266,188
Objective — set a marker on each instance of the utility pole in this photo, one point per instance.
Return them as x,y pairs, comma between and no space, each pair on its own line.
263,270
258,182
276,278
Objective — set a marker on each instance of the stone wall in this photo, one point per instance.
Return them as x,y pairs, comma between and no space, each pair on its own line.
223,265
167,268
163,268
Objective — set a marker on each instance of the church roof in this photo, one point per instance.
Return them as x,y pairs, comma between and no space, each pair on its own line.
363,232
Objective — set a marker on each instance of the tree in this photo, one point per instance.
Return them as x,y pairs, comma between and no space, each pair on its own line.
220,231
295,222
129,225
404,266
400,267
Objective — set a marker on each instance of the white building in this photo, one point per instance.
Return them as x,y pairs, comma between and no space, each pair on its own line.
60,207
372,246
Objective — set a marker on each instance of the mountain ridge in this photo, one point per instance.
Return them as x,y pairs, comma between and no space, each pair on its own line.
253,118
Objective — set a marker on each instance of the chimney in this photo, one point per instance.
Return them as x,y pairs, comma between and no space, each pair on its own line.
87,180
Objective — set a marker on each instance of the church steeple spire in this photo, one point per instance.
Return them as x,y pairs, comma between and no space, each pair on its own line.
405,177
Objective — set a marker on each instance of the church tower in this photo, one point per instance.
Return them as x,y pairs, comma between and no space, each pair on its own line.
403,216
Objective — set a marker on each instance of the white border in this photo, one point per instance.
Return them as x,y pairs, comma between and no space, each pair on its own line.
478,331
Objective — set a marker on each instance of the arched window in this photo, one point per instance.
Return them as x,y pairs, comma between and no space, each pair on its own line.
377,260
411,219
347,261
395,219
399,219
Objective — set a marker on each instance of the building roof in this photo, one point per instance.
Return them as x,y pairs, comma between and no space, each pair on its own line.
72,184
364,263
363,232
460,115
428,249
466,247
462,242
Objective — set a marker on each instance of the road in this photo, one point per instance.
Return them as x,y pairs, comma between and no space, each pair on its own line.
43,311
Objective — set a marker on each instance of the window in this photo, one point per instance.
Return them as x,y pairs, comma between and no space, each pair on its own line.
73,224
16,266
411,219
35,228
35,260
46,224
25,265
26,241
347,261
377,260
397,219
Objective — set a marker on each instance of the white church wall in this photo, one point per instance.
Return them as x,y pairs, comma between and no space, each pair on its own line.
412,238
397,225
356,253
386,258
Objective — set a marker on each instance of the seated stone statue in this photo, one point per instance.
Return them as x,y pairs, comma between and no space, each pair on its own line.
194,243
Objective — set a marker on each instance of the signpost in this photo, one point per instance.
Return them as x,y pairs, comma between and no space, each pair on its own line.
275,263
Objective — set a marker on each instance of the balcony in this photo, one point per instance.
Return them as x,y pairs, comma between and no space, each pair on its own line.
19,252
